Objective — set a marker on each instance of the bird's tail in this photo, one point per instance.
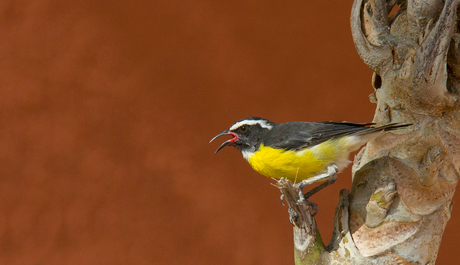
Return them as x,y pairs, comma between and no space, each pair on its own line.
373,132
357,139
383,128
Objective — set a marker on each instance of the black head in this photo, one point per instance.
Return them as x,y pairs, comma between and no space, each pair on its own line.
247,134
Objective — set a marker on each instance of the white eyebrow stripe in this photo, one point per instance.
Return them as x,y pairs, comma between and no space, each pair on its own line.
262,123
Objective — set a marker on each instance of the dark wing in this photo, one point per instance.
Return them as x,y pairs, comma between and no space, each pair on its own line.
299,135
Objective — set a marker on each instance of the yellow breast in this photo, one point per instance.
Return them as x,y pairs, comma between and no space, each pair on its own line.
301,164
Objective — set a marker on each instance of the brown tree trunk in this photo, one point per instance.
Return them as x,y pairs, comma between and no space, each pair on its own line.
403,183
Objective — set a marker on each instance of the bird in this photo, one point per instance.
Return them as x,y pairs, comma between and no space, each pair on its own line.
303,152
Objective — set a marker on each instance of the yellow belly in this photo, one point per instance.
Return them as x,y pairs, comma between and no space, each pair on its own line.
302,164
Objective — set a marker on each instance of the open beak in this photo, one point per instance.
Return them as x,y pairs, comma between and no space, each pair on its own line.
224,144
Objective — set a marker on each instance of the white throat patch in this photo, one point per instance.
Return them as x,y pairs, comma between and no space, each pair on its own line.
247,154
262,123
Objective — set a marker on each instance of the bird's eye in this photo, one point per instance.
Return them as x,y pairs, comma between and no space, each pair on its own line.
243,128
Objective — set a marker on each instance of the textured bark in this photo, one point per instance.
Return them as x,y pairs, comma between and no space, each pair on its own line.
403,182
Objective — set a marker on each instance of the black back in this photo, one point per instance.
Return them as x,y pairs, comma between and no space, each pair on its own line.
300,135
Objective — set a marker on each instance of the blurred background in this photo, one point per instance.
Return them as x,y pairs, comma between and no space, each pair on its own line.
107,107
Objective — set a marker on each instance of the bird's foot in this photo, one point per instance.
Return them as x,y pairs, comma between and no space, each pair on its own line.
330,176
313,206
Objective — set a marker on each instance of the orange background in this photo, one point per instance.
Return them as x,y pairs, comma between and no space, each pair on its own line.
106,113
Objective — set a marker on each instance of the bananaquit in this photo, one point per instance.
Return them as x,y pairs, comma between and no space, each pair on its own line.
304,152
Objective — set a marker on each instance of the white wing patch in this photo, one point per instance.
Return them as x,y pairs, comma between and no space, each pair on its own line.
262,123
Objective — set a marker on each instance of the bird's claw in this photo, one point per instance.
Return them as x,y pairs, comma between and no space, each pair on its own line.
302,196
314,207
293,216
304,199
330,176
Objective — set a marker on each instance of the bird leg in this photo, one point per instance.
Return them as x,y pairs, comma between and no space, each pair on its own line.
330,176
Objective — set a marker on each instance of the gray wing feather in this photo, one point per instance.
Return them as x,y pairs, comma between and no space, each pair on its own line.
300,135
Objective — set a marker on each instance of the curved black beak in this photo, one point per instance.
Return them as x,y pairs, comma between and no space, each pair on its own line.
224,144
